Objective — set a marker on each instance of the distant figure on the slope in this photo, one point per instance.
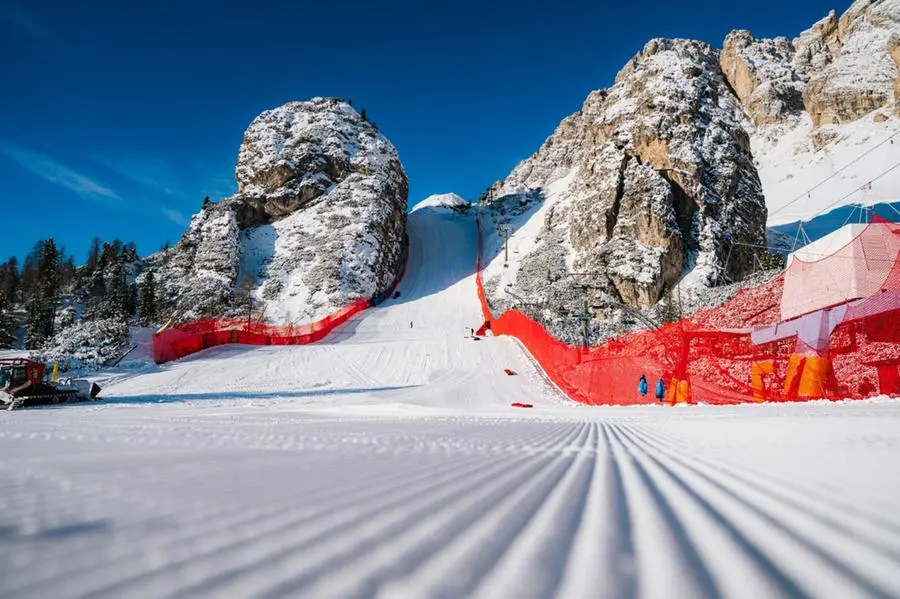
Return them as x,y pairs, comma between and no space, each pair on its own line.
642,386
660,390
410,324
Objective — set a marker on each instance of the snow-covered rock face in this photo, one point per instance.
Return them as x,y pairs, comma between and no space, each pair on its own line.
319,220
819,102
848,59
763,76
657,176
838,70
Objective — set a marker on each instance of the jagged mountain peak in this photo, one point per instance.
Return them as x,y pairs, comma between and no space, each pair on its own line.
318,221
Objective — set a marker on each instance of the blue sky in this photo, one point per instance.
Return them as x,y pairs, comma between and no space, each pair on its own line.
117,118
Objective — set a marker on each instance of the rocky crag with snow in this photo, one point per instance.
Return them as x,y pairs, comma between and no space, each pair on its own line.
653,177
658,188
318,221
816,103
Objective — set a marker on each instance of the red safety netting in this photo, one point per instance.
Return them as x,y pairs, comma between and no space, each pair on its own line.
185,339
851,263
741,351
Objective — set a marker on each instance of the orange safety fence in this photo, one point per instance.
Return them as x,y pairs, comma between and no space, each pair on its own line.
739,352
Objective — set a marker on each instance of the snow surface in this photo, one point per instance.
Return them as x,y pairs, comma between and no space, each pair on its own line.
526,233
442,200
800,182
387,462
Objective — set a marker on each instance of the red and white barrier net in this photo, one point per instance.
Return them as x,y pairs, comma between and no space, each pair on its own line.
825,328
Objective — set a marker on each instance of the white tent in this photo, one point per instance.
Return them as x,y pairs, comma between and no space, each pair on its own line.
851,263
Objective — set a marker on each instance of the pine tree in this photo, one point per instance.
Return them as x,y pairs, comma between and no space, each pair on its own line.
147,310
131,302
117,291
246,296
44,296
206,203
96,303
9,282
7,329
363,115
129,252
93,256
67,270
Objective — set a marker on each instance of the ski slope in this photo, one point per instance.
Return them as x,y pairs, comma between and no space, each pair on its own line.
387,462
377,355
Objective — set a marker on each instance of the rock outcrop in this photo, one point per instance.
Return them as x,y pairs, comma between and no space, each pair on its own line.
850,70
837,71
817,103
651,177
763,76
318,221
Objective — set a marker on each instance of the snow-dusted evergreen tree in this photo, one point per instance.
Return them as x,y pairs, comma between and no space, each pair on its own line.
43,297
93,257
118,293
147,309
95,304
9,283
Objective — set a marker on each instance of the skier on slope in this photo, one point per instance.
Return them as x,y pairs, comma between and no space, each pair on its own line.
660,390
642,386
410,324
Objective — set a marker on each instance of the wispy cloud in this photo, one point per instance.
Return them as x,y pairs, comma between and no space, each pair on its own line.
175,216
152,173
49,169
26,22
185,178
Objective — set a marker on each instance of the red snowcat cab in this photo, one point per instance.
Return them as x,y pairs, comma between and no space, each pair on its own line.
22,385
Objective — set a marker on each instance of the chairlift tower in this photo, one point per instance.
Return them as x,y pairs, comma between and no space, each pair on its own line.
506,231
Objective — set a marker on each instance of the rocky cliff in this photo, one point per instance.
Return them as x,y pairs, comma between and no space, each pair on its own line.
661,185
818,102
318,221
652,179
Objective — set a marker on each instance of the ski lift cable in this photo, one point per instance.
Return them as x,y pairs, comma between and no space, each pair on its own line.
797,236
836,173
852,212
863,186
819,254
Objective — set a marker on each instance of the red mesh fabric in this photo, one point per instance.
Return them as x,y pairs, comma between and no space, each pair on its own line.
185,339
822,275
713,359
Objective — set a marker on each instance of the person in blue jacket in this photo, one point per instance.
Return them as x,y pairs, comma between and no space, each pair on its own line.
642,386
660,390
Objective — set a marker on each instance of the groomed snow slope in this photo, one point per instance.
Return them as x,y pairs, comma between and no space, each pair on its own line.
378,355
388,463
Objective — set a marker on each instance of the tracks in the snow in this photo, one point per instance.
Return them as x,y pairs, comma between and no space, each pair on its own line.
427,507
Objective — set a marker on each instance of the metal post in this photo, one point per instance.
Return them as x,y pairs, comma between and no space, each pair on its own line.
585,320
506,232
